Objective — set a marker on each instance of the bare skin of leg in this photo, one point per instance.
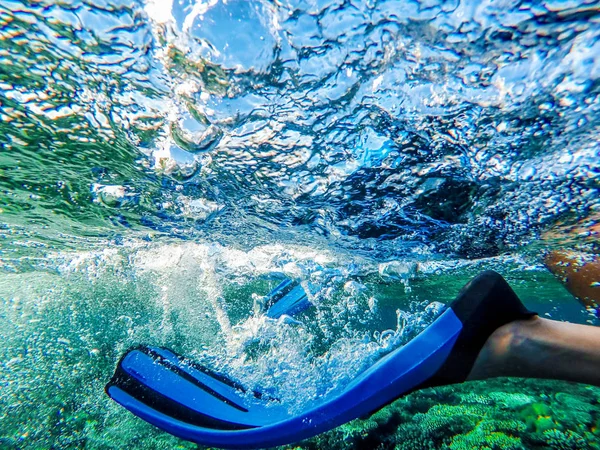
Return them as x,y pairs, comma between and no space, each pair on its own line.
541,348
580,273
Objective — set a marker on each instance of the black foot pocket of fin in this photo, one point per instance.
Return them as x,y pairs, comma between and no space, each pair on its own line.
485,304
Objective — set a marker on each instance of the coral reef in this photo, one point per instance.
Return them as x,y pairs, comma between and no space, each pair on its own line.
502,413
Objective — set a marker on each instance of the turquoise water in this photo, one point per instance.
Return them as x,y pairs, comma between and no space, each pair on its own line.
163,164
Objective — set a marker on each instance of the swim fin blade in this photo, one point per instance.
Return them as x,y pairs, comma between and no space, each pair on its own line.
288,298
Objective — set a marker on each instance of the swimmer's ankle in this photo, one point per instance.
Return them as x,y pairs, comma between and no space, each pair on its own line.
500,354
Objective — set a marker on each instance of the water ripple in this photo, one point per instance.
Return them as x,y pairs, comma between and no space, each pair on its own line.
464,127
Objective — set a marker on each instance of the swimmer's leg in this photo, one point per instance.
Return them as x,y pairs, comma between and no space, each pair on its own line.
580,273
541,348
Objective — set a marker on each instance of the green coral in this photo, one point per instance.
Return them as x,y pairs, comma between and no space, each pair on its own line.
493,414
575,407
474,397
565,440
537,417
442,415
511,400
510,426
479,440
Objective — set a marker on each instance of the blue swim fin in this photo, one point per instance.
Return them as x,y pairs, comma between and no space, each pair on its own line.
287,298
197,404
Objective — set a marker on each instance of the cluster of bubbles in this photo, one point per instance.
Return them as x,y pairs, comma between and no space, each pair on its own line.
65,328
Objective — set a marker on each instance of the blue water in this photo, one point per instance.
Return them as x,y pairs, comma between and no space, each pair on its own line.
164,163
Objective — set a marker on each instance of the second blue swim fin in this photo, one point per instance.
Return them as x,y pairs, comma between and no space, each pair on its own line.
288,298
